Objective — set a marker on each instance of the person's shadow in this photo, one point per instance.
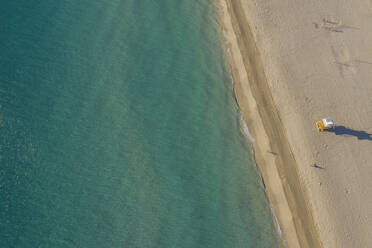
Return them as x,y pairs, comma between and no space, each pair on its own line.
361,135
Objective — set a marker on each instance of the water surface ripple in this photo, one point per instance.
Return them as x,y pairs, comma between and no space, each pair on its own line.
118,129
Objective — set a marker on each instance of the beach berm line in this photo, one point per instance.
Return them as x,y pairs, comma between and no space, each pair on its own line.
285,162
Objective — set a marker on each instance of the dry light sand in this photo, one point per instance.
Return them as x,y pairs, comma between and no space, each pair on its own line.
295,62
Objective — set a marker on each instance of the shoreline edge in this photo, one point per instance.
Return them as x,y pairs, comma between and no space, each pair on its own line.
272,152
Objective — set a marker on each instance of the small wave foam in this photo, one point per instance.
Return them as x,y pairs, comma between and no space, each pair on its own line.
224,33
232,79
246,130
280,232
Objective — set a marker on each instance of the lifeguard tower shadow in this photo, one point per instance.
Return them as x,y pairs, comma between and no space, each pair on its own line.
342,130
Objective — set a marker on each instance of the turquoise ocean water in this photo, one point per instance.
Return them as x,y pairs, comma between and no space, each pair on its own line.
118,128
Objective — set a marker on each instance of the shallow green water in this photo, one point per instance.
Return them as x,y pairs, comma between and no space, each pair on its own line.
118,129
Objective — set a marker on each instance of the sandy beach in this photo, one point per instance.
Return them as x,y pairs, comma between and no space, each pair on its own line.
295,62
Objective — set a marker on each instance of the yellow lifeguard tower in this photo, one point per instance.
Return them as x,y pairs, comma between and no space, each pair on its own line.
325,124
